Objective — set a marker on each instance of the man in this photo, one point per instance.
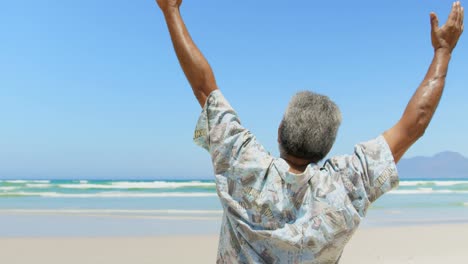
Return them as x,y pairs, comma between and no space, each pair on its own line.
289,209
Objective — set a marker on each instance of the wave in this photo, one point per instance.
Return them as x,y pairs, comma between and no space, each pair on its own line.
105,194
433,183
9,193
38,185
16,181
26,181
113,211
427,191
195,188
139,185
8,188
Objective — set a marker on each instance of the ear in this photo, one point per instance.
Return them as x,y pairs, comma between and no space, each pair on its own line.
277,139
279,132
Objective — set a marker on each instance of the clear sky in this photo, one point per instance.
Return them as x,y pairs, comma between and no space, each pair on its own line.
92,89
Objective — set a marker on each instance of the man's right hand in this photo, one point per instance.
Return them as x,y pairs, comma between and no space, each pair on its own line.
446,37
166,5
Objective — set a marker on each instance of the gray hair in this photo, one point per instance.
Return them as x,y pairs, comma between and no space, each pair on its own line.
309,126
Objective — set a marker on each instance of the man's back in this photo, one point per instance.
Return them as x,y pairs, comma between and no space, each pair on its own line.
274,216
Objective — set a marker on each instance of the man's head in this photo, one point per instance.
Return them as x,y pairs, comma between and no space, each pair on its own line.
309,126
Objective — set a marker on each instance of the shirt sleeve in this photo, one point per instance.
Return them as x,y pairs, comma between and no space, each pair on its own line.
368,173
220,132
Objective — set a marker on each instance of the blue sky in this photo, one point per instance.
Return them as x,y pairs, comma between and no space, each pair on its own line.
92,89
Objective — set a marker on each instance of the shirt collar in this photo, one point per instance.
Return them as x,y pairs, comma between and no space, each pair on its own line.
293,178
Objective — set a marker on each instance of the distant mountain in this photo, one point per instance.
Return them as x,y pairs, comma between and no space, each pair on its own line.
443,165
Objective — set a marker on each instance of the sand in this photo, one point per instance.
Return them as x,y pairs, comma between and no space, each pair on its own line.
423,244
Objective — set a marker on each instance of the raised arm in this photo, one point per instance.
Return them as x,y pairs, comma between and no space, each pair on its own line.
423,104
195,66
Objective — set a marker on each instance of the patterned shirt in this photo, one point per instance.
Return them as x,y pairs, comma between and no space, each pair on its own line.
272,215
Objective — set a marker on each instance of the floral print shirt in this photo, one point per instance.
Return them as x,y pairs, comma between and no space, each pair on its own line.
274,216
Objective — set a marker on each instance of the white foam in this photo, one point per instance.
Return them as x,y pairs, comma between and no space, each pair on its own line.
138,185
113,211
16,181
450,183
162,184
427,191
38,185
8,188
436,183
414,183
27,181
108,194
85,186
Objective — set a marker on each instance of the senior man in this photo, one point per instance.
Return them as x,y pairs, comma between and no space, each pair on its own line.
289,209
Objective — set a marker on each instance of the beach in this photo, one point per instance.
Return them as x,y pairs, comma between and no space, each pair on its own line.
96,221
415,244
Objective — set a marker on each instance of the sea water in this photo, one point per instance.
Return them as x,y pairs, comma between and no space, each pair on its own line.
154,207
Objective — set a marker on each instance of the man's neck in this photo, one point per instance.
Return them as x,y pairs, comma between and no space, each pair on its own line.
296,165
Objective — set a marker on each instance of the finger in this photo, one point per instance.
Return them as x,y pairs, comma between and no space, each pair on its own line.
434,21
459,13
453,14
462,16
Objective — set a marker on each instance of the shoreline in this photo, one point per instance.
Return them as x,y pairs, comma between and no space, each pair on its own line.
415,244
97,223
155,223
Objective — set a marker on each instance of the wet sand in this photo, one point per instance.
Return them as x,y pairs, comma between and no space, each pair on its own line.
415,244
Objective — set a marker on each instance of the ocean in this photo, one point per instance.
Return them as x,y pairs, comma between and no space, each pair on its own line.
167,207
